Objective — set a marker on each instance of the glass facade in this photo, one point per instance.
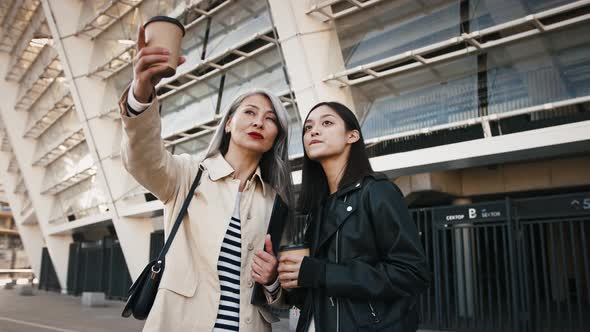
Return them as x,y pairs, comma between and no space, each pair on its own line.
79,201
394,27
203,101
544,69
232,46
540,69
73,162
419,74
57,134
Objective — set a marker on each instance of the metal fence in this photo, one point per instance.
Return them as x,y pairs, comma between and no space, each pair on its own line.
98,267
48,278
512,265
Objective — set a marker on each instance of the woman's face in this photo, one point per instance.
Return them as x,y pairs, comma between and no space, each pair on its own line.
325,134
254,125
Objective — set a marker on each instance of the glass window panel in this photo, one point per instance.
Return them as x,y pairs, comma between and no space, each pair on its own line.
40,109
115,86
122,79
236,23
264,71
295,131
446,93
547,68
62,128
486,13
192,47
43,68
56,90
394,27
189,107
544,69
70,164
108,44
82,199
194,146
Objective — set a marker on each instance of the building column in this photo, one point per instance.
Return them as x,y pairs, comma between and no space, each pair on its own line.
102,133
26,224
312,52
14,123
465,282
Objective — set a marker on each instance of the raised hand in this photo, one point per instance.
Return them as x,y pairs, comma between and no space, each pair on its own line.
145,75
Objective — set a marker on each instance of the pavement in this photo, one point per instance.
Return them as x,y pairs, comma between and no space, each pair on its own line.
48,311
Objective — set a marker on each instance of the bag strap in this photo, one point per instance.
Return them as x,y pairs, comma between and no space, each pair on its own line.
180,215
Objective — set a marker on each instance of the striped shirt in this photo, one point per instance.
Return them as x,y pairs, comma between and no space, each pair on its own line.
228,267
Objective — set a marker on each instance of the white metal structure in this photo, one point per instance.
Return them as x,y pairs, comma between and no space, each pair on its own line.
60,165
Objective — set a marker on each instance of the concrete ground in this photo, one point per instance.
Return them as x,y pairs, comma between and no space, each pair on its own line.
47,311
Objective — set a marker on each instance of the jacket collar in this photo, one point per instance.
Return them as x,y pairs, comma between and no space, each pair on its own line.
341,210
359,184
350,188
219,168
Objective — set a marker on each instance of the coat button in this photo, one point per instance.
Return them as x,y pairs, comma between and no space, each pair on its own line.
349,208
250,283
250,246
248,320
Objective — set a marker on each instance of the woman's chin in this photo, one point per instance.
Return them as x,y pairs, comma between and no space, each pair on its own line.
256,148
317,156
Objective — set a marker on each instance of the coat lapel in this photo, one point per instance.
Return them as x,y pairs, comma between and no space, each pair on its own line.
346,204
341,211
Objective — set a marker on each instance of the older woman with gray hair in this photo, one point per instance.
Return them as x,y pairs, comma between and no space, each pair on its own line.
221,262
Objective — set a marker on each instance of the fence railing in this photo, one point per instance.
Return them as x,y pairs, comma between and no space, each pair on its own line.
512,265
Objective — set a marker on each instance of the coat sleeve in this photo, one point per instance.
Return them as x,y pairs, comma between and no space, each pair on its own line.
144,155
402,269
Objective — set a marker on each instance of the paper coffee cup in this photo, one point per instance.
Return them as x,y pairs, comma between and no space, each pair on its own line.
166,32
301,249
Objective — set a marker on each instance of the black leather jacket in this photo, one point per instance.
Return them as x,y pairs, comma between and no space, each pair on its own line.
366,265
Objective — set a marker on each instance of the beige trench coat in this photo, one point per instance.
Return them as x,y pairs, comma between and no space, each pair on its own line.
189,293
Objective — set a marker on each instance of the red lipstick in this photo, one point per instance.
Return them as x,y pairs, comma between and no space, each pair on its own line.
255,135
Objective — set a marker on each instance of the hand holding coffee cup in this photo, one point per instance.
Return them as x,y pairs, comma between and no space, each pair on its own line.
290,263
158,54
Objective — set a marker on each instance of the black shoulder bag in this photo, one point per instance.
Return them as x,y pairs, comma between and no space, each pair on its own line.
142,293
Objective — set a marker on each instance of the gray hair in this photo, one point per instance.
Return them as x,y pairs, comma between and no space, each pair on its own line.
274,164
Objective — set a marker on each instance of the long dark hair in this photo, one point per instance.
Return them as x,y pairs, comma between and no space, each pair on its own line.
314,185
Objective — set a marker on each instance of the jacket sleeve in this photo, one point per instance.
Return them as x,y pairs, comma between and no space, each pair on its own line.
402,269
144,155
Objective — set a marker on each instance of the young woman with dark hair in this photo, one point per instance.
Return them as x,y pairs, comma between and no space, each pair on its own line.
366,264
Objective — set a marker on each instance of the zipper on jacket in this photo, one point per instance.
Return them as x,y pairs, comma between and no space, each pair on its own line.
337,303
373,313
337,262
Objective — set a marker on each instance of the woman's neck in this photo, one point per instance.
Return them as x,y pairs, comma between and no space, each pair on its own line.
334,168
243,162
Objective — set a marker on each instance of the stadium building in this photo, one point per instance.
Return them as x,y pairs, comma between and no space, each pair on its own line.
478,109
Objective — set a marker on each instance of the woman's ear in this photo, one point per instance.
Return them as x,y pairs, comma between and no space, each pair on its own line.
228,125
353,136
